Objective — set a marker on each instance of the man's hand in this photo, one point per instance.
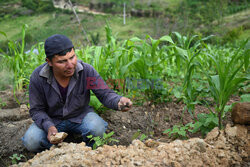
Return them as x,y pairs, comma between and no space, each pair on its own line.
52,131
124,104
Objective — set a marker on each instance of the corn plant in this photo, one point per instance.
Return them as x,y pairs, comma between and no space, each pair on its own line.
190,92
85,54
187,57
20,62
226,79
16,61
148,63
185,48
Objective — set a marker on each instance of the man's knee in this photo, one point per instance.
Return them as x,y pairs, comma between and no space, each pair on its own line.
35,139
96,124
98,128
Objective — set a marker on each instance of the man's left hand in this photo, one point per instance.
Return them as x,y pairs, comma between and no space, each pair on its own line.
124,104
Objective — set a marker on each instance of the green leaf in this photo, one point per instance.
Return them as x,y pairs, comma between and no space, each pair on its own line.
98,143
124,69
246,58
167,39
137,134
3,33
167,130
135,39
245,98
110,134
94,146
216,82
114,140
182,133
94,102
143,136
208,37
227,108
197,126
90,136
182,52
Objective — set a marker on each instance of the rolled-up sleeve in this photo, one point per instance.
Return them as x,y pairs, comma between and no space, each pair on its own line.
38,105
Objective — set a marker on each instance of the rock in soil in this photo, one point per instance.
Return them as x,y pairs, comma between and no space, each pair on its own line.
220,148
241,113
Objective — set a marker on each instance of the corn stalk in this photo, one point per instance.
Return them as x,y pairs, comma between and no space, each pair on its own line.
226,79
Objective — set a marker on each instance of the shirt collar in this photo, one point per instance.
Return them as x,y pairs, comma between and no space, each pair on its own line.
47,72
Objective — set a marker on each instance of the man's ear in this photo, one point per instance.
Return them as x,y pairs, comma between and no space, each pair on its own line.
49,62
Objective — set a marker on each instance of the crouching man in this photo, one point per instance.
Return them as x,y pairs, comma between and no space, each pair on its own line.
59,96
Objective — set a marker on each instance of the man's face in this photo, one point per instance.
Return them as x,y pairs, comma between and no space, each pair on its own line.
64,66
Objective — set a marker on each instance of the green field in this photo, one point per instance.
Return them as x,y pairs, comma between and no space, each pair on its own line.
196,55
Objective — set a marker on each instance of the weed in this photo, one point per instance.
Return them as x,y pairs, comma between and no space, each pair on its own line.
245,98
2,104
179,131
137,134
100,141
205,123
15,158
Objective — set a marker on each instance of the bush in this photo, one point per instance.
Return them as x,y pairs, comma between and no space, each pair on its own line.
45,6
30,4
39,5
232,35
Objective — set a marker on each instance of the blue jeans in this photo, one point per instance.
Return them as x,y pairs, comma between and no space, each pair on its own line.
35,139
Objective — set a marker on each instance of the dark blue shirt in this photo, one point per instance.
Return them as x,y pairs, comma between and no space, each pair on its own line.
63,91
47,107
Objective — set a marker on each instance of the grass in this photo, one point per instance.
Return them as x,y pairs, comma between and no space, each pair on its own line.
12,26
6,79
245,34
43,25
143,3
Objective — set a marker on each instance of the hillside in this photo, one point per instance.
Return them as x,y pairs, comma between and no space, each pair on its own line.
50,21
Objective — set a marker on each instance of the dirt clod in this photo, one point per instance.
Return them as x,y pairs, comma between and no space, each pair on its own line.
59,137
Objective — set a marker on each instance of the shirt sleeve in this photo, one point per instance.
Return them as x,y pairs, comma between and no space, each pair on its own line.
107,96
38,105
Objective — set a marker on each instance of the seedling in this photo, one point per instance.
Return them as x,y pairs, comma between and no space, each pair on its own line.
15,158
100,141
2,104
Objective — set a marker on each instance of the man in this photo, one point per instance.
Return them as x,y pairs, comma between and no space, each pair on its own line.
59,95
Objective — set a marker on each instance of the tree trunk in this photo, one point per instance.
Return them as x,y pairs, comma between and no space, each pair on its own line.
241,113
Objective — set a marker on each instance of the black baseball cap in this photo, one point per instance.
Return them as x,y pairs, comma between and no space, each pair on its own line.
56,44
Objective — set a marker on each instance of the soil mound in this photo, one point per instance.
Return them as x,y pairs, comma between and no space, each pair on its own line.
227,147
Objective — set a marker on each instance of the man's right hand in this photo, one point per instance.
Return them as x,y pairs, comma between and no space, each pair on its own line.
52,131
